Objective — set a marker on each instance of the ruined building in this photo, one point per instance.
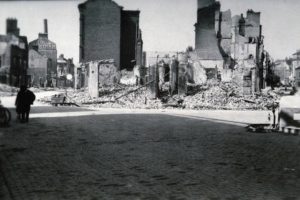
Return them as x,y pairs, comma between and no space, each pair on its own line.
40,49
13,55
109,32
65,67
206,41
232,47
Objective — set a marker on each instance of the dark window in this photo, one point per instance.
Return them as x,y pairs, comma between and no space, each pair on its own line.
252,40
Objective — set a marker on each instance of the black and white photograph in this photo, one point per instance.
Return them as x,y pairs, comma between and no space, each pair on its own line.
149,100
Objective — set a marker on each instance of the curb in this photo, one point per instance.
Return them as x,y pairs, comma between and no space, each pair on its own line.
290,130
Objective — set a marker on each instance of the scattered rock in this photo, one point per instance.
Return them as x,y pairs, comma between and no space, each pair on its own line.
213,96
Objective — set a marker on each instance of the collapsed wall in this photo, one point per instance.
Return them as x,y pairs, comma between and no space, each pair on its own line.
96,73
224,44
206,42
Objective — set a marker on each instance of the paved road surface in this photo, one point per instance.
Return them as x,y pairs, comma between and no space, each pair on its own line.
143,156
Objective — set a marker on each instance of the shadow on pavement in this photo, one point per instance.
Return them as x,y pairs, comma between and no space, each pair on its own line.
146,156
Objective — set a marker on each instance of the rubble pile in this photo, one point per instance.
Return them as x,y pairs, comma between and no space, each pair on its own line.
42,89
110,97
227,96
127,78
6,90
214,95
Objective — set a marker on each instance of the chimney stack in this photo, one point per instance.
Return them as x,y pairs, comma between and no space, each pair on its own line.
45,26
12,26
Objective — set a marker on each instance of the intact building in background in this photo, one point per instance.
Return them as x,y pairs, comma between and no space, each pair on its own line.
283,71
40,49
296,68
13,55
109,32
37,69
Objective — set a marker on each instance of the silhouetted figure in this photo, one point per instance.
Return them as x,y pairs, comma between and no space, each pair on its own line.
24,99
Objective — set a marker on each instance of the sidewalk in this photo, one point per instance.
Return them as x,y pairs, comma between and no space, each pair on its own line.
240,118
226,116
234,116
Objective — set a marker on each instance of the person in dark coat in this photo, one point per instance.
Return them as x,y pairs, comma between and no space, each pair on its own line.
24,99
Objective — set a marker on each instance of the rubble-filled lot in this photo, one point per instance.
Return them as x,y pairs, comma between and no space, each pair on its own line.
6,90
229,97
108,98
224,96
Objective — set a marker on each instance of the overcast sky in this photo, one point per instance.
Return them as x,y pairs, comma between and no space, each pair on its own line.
167,25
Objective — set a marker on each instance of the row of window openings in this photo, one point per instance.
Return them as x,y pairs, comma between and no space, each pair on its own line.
14,62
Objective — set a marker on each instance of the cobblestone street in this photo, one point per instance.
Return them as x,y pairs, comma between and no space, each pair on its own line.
144,156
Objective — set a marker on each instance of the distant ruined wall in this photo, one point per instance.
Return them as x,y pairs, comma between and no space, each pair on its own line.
226,24
108,74
129,33
199,76
227,47
244,76
104,72
225,33
206,40
93,86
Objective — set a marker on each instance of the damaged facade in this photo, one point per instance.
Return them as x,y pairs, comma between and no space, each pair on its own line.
40,49
96,74
65,68
13,55
226,48
231,47
109,32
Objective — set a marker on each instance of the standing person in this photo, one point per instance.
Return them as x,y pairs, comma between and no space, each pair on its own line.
24,99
